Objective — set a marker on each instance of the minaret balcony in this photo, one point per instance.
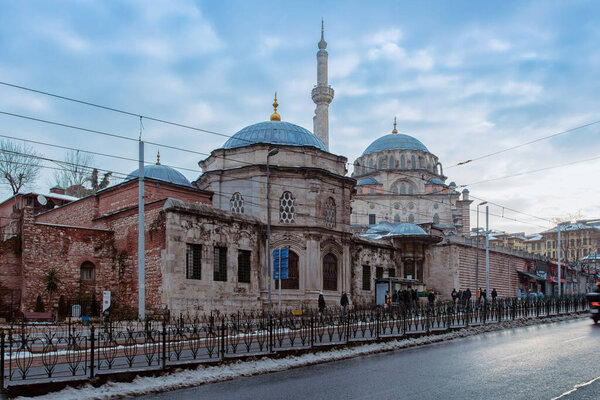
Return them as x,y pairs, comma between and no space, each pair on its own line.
322,94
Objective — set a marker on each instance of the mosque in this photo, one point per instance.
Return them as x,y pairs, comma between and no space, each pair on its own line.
273,185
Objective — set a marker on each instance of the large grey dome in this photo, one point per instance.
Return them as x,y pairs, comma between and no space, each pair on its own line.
162,173
274,132
395,141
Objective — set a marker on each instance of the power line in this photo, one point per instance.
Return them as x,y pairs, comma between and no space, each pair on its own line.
531,171
523,144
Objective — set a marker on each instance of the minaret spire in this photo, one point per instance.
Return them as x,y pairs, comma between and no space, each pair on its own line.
395,130
275,116
322,94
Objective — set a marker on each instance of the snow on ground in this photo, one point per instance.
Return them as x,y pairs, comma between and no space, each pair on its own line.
202,375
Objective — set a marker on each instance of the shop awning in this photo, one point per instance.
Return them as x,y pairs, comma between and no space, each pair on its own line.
531,276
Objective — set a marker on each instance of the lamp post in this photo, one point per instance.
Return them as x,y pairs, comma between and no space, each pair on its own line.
477,252
271,152
487,250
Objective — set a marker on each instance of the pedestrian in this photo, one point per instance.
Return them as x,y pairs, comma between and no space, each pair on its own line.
494,295
467,296
454,296
344,302
484,296
321,303
431,298
415,298
388,299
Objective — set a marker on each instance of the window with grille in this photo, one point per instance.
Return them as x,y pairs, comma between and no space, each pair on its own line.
330,272
236,204
193,264
378,272
411,219
244,266
392,272
397,218
366,277
330,213
293,281
287,208
87,271
220,264
436,219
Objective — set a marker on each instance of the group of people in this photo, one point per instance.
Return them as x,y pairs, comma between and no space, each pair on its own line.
408,297
344,302
464,297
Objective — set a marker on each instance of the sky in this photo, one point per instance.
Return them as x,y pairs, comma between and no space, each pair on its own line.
466,78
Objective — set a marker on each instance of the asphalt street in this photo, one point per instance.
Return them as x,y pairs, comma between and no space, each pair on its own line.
538,362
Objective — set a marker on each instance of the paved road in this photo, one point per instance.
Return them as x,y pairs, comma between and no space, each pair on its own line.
538,362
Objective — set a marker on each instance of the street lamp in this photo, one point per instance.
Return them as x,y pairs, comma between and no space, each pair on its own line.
271,152
477,252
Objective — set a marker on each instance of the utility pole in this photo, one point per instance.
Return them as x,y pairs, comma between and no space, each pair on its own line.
487,250
559,285
477,251
141,245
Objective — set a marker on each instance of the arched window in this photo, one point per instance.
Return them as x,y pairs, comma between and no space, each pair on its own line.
287,208
411,219
236,203
371,165
436,219
382,162
402,162
394,189
397,218
86,271
357,168
434,190
410,190
402,188
396,206
392,164
330,213
372,191
413,162
293,280
330,272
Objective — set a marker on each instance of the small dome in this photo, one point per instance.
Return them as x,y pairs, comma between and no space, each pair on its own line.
367,181
406,229
381,228
274,132
452,185
162,173
395,141
465,191
435,181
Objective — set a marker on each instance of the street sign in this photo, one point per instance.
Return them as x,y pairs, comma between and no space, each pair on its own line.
280,263
105,300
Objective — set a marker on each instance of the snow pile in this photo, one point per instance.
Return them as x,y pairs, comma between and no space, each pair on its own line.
202,375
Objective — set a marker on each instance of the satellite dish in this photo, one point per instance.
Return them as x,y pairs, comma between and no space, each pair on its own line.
42,199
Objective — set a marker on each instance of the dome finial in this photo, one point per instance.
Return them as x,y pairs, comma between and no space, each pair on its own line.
158,157
275,116
395,130
322,43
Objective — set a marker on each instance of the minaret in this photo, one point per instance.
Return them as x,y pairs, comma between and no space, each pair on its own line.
322,94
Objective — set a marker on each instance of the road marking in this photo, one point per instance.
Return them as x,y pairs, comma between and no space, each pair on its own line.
577,338
575,388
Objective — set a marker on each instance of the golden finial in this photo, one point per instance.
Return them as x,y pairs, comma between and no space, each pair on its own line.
158,157
275,116
395,130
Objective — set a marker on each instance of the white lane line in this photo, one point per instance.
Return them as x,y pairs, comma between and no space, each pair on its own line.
575,388
577,338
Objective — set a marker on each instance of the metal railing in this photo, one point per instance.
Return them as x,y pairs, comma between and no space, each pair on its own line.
36,353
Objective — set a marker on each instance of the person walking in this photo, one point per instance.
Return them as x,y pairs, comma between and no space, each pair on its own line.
431,298
415,298
344,302
321,303
467,296
454,296
494,295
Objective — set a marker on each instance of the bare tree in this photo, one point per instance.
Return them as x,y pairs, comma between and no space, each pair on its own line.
96,184
19,164
75,169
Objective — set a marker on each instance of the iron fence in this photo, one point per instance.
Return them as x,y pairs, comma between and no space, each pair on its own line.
32,353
